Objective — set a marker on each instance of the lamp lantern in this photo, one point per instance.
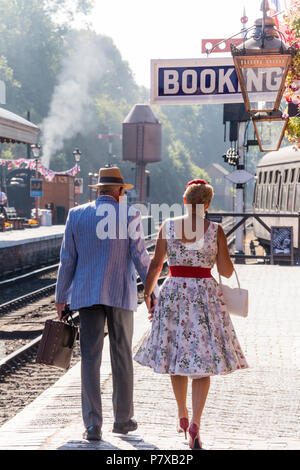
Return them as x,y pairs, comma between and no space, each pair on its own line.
77,154
269,129
262,64
36,150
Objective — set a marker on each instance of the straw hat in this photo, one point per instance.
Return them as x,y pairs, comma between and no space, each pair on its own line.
110,177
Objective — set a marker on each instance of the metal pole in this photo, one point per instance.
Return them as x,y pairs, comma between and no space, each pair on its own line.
299,237
110,140
239,205
263,25
36,197
28,145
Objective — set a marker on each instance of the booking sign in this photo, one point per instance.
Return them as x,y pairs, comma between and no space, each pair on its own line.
191,81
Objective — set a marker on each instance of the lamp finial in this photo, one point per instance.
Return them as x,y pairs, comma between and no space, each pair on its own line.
265,6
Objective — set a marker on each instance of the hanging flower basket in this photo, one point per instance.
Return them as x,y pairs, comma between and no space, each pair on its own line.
292,84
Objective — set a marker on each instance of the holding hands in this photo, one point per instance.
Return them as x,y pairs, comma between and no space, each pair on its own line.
150,303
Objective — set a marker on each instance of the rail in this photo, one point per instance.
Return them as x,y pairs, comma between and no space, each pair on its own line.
257,215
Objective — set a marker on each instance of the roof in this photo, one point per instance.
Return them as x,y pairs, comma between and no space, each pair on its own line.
217,167
283,156
15,129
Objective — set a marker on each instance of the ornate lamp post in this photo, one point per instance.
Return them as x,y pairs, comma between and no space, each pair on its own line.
36,148
262,63
77,155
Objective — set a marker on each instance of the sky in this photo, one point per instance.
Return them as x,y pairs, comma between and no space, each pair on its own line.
168,29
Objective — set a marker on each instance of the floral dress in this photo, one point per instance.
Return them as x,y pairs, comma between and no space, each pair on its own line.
192,333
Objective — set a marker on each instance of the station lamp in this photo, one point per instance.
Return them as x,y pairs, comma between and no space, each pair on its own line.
269,129
36,148
262,63
77,154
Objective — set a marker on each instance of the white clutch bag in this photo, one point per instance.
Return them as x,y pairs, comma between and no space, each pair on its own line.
236,299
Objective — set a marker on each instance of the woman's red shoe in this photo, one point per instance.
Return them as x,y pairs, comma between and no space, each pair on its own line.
194,434
184,424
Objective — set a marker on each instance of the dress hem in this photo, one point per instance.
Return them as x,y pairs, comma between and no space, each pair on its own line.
196,376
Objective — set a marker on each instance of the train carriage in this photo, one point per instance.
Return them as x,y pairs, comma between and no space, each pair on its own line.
277,191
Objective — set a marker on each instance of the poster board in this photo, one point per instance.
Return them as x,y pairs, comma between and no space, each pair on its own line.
282,244
36,187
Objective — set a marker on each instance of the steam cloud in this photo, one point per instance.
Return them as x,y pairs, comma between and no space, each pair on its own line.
67,114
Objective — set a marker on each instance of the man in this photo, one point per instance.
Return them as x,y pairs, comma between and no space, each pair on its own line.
3,201
97,277
3,197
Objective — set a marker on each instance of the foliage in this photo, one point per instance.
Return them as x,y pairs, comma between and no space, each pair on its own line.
59,162
292,86
37,38
7,73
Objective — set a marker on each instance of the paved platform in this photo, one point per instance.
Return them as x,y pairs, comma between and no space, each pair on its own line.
257,408
29,248
30,235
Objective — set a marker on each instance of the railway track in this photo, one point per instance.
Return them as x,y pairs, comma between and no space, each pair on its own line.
25,314
25,321
18,370
18,357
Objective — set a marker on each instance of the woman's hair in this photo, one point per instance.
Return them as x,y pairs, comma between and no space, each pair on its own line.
198,194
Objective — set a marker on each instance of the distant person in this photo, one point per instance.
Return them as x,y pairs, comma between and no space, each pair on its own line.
192,334
3,201
97,277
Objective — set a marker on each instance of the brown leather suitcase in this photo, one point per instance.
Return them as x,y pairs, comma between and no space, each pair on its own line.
57,343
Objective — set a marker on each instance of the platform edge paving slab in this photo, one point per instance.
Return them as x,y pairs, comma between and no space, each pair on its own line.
258,408
36,424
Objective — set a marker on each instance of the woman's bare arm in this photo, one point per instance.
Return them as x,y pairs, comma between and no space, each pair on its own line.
157,261
224,263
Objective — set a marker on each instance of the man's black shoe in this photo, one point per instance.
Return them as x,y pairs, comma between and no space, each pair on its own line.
124,428
92,433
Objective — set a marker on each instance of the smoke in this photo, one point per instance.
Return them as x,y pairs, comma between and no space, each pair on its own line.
67,115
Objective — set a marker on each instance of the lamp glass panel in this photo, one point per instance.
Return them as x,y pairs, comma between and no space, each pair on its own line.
36,152
262,78
269,133
263,84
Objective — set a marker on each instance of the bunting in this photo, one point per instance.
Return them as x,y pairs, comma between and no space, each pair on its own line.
48,174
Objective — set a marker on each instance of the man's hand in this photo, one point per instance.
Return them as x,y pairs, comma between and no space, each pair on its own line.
59,307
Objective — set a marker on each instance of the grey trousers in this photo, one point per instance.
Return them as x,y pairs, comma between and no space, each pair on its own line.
120,330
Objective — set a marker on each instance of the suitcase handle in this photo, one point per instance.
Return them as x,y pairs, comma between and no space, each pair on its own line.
70,321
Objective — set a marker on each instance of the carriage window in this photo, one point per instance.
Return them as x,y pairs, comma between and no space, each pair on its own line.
265,176
268,197
274,197
270,176
283,198
259,177
292,175
297,198
286,172
262,199
290,202
279,189
255,195
257,202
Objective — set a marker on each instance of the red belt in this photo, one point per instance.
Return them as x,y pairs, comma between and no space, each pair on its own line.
189,271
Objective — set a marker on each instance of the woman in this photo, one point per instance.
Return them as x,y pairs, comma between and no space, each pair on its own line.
192,334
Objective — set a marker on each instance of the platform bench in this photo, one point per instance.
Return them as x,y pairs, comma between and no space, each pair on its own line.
12,218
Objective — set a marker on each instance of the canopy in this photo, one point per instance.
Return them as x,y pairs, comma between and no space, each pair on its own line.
15,129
